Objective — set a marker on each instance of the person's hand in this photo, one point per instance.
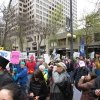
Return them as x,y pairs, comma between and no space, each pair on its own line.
12,74
31,94
83,77
36,98
97,92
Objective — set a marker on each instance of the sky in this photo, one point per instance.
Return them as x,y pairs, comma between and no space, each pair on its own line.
83,6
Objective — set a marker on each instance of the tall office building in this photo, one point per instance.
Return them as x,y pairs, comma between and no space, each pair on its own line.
45,11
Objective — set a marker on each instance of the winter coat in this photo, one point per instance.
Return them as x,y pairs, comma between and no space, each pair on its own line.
38,89
80,71
70,66
22,76
55,92
85,87
95,86
31,66
5,78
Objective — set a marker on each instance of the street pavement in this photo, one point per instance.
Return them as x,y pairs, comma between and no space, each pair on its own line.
77,94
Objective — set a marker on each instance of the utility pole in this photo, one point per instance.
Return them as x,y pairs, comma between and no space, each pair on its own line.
71,31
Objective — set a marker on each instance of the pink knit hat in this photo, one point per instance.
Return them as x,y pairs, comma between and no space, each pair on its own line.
32,57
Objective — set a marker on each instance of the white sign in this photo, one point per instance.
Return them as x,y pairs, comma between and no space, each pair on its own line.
76,54
92,55
5,54
23,55
47,58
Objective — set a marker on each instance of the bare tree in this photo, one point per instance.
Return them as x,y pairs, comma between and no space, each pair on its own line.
6,19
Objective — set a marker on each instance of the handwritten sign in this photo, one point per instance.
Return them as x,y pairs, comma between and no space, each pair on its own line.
15,56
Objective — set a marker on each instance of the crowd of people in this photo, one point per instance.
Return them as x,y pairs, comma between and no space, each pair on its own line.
34,79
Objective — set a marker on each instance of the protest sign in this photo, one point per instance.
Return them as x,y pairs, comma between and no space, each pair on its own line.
47,58
5,54
15,57
23,55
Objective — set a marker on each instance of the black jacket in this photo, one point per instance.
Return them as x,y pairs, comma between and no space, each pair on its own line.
80,71
70,66
5,78
39,89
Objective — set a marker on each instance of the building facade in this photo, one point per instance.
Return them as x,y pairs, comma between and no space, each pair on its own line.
40,11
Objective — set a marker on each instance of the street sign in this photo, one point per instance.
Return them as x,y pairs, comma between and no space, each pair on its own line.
1,48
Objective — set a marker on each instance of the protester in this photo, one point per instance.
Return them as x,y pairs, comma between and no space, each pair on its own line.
46,67
85,83
97,70
82,70
31,64
38,88
95,90
12,92
5,77
22,76
70,69
59,78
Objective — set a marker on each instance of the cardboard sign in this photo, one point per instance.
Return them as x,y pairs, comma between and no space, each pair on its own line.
15,57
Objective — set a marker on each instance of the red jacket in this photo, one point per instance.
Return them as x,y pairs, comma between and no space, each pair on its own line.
31,66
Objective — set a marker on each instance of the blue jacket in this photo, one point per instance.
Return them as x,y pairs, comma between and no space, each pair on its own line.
22,76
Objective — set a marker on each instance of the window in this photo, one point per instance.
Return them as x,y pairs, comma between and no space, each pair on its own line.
37,6
40,17
35,38
32,16
20,13
24,6
37,11
40,7
37,16
37,1
24,10
40,12
20,9
20,4
41,2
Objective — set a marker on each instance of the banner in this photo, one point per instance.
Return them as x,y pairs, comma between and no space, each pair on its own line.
82,51
5,54
15,57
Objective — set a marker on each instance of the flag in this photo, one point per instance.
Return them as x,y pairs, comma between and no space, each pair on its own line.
82,50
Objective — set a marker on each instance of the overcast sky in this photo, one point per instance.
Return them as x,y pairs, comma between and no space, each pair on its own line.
83,6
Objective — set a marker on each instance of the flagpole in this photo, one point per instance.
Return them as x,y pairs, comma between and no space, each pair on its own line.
71,31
